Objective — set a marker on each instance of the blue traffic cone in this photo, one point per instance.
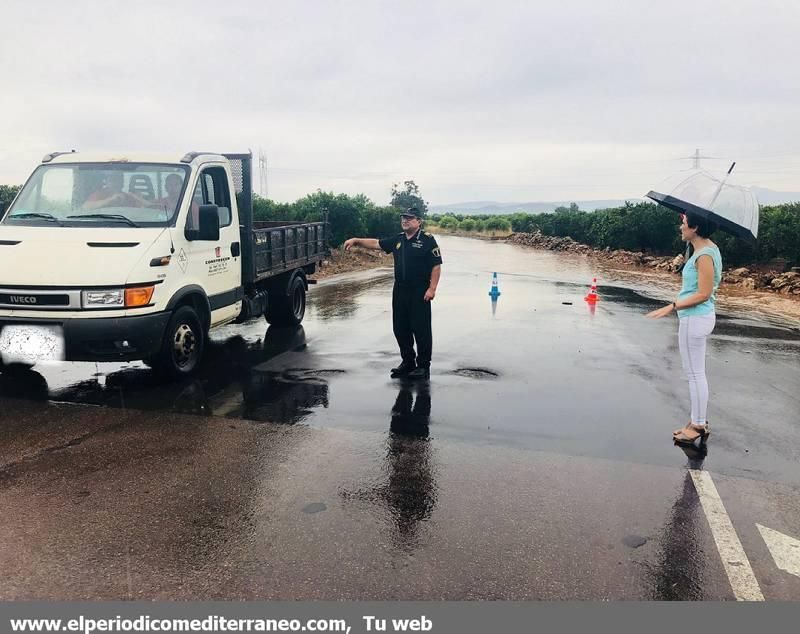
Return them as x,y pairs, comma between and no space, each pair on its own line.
495,291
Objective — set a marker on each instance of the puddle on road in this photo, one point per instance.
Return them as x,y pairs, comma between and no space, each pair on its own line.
287,397
405,490
342,300
679,571
236,380
227,383
306,372
475,373
634,541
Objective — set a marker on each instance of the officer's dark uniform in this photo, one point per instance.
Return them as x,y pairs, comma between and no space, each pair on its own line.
414,260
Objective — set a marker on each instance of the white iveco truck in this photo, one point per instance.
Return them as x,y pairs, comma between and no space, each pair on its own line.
109,258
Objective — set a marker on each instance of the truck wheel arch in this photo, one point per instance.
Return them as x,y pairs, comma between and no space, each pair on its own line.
282,284
193,296
298,273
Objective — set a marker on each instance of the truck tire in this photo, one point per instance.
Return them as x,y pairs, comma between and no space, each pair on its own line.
288,310
183,345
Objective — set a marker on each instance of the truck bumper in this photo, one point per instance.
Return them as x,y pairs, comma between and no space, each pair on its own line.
105,339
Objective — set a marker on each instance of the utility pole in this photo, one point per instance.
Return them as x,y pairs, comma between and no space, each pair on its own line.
696,158
262,172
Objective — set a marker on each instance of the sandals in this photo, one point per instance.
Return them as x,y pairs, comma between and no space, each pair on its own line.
691,434
678,431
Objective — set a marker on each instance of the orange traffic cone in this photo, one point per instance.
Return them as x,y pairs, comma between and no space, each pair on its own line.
592,296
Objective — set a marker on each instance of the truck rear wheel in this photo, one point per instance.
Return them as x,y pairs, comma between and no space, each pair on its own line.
288,310
183,345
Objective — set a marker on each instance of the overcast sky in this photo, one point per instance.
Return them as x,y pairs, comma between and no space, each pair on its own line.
488,100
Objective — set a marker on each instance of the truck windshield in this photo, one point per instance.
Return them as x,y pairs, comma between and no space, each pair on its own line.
105,194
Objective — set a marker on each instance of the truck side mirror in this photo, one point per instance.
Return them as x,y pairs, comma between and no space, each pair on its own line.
208,219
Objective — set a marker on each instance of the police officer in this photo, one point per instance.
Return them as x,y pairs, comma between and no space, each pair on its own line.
417,267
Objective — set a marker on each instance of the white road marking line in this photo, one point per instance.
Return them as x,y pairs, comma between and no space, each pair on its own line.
785,550
737,566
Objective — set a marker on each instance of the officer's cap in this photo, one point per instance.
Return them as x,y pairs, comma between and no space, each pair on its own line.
413,212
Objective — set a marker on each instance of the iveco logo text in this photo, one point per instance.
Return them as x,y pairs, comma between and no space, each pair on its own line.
22,299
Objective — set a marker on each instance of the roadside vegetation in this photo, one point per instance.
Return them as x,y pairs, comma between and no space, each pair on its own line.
644,227
641,226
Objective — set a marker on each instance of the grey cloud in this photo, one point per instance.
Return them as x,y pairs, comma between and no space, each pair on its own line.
355,95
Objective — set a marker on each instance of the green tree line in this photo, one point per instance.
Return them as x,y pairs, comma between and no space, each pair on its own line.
7,194
634,226
471,224
646,227
349,216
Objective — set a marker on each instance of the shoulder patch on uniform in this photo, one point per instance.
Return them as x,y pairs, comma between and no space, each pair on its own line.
436,252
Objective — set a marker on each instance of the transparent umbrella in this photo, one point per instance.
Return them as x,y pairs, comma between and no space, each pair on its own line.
733,207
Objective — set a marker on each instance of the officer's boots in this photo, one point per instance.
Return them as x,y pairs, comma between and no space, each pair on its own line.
420,373
403,369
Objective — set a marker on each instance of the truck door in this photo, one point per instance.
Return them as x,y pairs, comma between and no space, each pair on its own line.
216,265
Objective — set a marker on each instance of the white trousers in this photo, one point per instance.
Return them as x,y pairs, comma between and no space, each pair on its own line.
693,331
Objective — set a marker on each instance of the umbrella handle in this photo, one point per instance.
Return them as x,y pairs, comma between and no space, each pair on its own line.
719,189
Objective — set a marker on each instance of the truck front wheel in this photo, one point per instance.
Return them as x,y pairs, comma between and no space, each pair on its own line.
288,310
183,345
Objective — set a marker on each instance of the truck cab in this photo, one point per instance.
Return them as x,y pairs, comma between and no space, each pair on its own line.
137,256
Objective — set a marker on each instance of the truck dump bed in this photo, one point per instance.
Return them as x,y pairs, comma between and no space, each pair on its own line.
285,246
272,248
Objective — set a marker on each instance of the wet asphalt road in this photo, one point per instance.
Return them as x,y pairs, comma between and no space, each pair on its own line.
537,464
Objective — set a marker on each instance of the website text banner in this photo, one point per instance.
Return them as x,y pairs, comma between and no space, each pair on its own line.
393,617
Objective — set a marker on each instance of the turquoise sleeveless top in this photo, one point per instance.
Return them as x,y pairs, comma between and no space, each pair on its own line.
690,282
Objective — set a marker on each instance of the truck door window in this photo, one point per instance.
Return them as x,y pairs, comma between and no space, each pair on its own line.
211,189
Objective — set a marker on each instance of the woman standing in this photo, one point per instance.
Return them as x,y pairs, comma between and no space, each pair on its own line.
696,318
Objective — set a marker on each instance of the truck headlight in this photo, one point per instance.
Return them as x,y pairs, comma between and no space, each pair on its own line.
103,298
118,297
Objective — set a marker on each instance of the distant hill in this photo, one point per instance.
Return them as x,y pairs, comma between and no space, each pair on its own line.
765,197
771,197
490,207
